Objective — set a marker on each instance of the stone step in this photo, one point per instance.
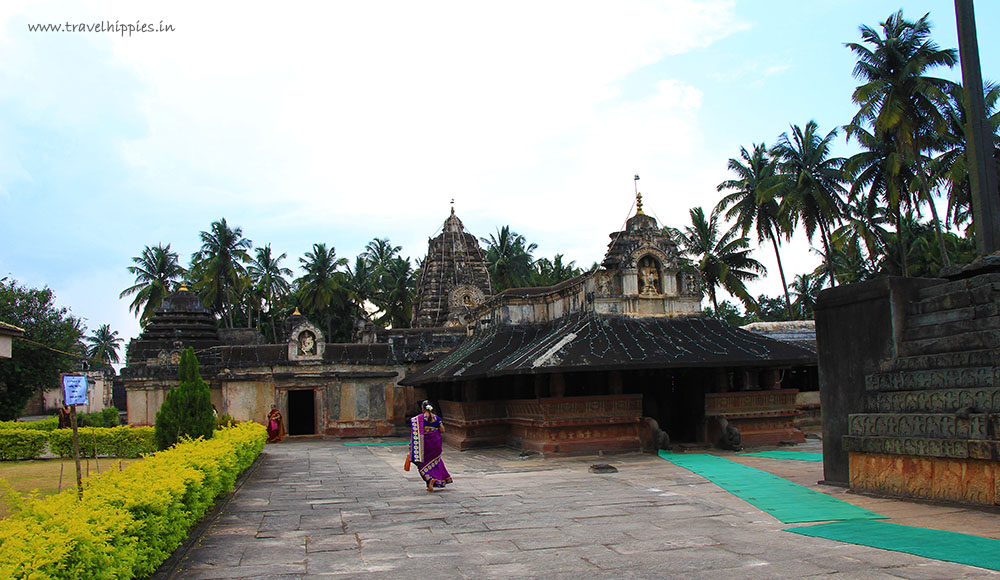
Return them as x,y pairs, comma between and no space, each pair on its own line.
942,361
923,447
961,299
975,340
981,400
951,322
957,286
978,426
952,378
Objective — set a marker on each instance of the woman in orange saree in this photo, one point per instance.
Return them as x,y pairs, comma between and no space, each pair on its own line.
275,425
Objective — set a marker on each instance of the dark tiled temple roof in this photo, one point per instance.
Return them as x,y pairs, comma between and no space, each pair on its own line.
593,342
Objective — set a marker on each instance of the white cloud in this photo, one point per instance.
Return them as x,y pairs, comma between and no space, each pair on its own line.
307,123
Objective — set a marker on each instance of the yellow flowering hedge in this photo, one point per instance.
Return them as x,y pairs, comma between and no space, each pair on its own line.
43,424
16,443
121,441
128,522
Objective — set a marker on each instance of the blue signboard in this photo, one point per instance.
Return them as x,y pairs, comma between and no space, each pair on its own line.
74,389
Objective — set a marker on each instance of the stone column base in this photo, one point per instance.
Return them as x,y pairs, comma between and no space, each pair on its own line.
972,481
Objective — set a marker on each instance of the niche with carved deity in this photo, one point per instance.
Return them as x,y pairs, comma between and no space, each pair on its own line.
650,276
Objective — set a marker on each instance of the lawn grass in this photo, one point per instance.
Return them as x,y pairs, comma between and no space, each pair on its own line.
44,474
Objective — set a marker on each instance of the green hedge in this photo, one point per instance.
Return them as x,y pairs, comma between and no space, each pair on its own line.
128,522
42,425
22,443
107,418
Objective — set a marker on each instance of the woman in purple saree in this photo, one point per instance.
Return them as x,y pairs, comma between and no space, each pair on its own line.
425,447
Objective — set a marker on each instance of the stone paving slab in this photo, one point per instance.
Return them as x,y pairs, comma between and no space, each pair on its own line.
316,509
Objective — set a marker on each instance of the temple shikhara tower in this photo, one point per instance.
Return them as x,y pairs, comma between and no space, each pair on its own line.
453,279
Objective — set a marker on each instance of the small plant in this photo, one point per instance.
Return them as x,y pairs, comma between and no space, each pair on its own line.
187,408
223,421
106,418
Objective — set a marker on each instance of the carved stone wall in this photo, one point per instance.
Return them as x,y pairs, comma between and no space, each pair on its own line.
763,417
930,427
554,426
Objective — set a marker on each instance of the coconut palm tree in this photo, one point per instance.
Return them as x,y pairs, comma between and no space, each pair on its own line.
360,283
813,186
269,281
754,200
319,286
218,268
806,287
103,345
155,270
379,252
724,260
950,167
394,297
902,106
508,258
546,272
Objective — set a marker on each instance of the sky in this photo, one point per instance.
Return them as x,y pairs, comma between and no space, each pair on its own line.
339,122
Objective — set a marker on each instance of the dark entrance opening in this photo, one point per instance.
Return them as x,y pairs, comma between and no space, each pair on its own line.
302,412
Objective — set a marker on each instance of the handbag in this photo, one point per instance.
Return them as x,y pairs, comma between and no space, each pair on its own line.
406,464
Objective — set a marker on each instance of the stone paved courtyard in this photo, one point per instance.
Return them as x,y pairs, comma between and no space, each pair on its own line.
319,509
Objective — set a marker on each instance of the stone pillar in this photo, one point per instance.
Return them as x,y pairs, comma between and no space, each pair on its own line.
770,379
751,380
541,386
630,282
615,386
557,385
470,391
721,380
669,283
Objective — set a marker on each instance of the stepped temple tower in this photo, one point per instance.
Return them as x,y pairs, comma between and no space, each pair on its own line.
453,279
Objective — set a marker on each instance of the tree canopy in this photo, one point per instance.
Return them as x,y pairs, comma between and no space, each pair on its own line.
34,368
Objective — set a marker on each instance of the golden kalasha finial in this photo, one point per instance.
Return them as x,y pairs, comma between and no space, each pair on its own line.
638,204
183,288
296,313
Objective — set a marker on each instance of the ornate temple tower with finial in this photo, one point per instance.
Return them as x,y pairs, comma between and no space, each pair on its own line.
643,267
453,278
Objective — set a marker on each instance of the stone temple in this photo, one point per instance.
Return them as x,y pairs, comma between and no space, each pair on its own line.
589,364
618,359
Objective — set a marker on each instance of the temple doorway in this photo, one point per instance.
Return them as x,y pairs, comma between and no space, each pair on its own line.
302,412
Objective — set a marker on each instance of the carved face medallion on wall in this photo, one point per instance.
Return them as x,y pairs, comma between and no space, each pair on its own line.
306,342
465,297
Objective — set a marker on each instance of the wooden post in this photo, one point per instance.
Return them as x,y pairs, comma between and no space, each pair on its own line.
76,452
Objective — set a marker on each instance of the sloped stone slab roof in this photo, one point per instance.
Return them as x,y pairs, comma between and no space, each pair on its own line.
594,342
